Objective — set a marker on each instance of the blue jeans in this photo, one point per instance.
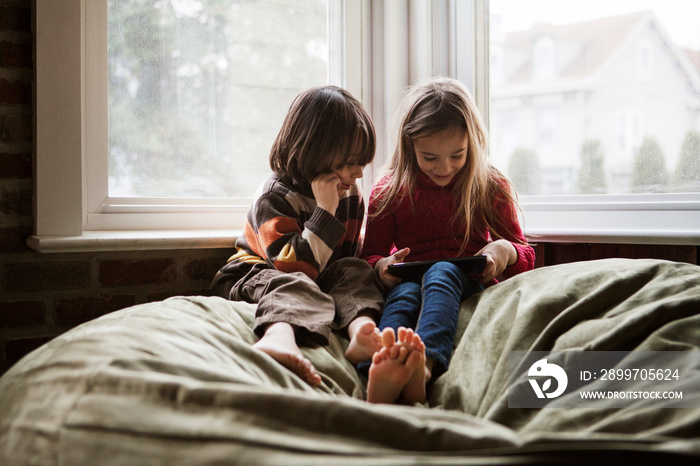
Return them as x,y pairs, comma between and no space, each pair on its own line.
431,309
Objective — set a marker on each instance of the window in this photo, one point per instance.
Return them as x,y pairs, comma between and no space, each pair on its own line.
611,150
547,129
194,93
645,61
596,130
199,89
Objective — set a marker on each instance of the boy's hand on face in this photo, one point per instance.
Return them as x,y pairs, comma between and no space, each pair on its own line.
325,189
382,267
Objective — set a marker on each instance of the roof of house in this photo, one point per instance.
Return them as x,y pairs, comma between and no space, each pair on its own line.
596,42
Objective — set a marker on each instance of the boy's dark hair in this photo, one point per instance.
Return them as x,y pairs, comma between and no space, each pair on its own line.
322,124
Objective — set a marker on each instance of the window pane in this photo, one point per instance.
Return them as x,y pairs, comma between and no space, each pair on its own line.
198,90
596,97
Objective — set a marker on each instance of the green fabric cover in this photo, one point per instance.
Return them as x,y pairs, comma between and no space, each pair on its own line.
177,382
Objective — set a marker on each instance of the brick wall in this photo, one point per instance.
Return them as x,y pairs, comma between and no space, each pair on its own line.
43,295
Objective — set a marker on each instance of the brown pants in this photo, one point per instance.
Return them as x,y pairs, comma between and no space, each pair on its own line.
347,289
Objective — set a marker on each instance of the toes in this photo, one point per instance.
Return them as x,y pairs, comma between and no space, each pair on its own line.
314,379
367,328
401,334
388,337
405,335
308,373
403,354
416,340
394,351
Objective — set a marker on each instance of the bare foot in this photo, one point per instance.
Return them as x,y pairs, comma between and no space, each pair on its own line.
365,340
414,390
279,343
392,368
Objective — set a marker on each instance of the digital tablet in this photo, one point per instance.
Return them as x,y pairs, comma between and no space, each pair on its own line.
413,271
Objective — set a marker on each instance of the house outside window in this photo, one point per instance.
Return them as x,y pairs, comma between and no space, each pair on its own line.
543,57
645,61
638,71
626,88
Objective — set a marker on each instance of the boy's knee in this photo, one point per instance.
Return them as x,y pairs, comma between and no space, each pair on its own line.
270,280
351,269
351,262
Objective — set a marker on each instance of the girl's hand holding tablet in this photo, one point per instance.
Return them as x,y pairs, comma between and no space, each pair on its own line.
382,267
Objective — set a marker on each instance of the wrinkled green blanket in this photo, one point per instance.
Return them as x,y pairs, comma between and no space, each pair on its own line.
177,382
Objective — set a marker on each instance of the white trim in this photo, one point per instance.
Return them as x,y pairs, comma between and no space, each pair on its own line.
635,219
353,42
598,236
420,52
98,241
96,109
59,100
440,34
616,202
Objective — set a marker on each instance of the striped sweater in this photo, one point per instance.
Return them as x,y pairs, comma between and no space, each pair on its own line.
287,231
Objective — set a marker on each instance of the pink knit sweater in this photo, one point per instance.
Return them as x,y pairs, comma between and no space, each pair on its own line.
427,229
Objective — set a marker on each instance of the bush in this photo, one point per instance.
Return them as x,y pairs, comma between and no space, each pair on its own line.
649,171
687,176
524,171
591,175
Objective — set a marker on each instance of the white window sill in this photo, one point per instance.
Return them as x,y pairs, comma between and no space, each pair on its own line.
99,241
103,241
672,219
675,238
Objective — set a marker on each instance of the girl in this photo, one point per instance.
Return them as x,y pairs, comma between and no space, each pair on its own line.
295,256
440,198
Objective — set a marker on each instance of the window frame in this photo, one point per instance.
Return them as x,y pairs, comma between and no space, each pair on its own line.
73,210
672,219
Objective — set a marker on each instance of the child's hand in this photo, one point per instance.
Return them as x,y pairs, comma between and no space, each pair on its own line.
382,267
325,189
499,255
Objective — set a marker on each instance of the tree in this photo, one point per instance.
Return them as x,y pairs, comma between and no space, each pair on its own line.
156,134
199,89
687,176
591,176
524,171
649,170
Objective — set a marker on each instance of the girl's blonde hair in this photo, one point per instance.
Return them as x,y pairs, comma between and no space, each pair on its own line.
428,108
322,124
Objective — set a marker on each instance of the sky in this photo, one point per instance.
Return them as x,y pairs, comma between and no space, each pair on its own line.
681,18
